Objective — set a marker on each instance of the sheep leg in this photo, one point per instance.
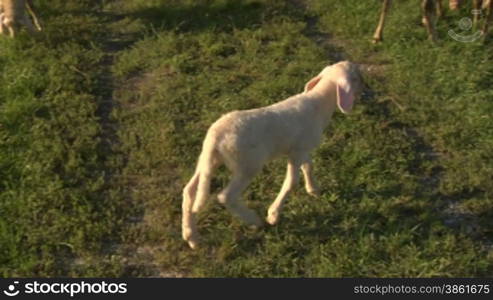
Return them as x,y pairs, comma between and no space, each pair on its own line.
377,37
477,8
231,198
189,224
489,17
2,18
33,15
428,8
310,185
2,27
292,177
439,8
11,26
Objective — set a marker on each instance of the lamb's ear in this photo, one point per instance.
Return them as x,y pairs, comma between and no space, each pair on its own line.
312,83
345,95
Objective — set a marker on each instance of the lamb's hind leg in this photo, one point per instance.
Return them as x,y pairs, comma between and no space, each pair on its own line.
489,17
292,177
429,18
33,15
439,8
231,198
377,37
189,223
2,27
10,25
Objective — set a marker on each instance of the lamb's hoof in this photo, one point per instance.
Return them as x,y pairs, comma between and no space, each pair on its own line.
221,198
314,192
191,237
272,218
257,223
193,244
256,227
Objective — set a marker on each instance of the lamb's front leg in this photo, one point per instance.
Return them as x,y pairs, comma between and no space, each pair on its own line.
428,9
310,185
292,177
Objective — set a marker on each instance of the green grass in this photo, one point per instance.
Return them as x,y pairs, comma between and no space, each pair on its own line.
54,204
88,189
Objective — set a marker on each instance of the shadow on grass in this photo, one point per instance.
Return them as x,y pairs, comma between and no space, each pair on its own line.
423,206
199,16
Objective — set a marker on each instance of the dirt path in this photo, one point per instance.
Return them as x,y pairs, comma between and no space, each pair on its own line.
112,44
135,258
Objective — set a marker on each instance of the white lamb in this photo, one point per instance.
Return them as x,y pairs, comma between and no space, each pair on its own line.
245,140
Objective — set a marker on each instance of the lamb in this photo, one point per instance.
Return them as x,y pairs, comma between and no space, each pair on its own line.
245,140
433,8
12,15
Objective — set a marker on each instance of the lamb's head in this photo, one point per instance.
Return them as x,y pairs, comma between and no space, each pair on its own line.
343,77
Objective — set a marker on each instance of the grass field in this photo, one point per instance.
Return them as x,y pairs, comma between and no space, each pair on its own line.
102,117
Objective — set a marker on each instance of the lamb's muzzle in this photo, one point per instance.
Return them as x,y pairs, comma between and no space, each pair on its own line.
245,140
